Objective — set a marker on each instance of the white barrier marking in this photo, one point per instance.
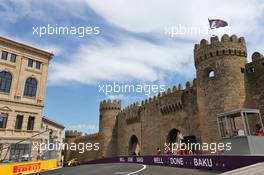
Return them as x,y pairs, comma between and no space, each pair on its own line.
144,167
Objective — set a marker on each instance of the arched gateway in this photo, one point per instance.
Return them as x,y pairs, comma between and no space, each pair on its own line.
134,147
173,136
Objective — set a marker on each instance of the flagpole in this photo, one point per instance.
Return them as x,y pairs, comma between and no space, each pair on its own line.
211,34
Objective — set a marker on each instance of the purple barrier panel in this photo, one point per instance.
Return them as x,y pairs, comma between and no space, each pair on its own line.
193,162
103,160
206,162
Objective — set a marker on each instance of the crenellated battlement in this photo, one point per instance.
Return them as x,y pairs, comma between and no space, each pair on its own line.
132,113
171,94
227,46
256,56
130,107
224,82
71,133
255,67
87,137
110,105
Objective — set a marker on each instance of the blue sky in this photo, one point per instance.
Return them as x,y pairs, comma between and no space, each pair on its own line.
132,46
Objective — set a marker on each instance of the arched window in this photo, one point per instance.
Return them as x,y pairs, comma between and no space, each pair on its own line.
5,81
211,74
31,87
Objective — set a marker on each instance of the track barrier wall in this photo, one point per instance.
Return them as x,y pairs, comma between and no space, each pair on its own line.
220,163
28,167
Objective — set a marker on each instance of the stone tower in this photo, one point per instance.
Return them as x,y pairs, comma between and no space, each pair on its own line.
70,137
220,67
108,126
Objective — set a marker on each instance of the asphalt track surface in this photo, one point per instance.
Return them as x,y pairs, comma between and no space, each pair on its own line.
124,169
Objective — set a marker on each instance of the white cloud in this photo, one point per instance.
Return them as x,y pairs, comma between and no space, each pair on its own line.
55,49
14,10
131,59
154,15
136,59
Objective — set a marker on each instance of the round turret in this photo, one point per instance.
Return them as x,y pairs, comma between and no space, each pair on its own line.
110,105
256,56
228,46
72,134
107,125
70,137
220,67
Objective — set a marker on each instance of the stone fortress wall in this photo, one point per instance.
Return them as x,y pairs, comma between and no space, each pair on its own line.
224,81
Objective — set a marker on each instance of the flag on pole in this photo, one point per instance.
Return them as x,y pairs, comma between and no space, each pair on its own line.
216,23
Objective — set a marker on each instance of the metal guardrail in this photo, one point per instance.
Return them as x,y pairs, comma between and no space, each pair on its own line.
15,148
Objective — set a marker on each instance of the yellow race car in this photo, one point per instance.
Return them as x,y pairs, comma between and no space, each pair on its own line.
73,162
